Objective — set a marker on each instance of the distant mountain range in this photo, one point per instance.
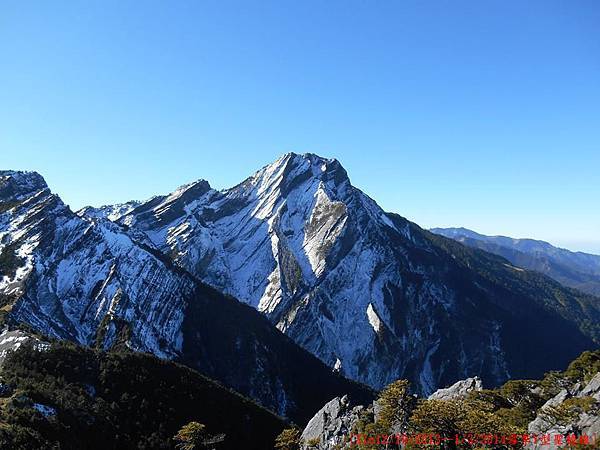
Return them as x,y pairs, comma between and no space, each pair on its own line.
574,269
316,265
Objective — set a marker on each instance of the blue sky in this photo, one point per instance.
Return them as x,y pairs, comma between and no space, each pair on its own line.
484,114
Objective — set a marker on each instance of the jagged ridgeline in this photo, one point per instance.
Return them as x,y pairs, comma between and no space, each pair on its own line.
369,293
95,283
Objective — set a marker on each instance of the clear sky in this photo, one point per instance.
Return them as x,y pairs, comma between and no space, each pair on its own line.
483,114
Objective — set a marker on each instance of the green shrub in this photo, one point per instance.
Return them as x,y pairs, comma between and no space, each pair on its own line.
9,261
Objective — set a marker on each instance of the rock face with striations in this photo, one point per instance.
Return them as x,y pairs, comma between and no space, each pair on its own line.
92,281
370,293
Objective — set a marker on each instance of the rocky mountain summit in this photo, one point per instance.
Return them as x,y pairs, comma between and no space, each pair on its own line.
370,293
91,281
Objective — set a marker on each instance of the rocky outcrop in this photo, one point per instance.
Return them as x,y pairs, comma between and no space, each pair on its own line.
575,410
458,390
332,425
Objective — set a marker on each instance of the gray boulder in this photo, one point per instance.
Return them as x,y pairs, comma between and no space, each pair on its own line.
332,425
592,389
460,389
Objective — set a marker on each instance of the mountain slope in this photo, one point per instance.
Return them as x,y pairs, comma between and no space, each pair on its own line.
73,398
574,269
91,281
369,293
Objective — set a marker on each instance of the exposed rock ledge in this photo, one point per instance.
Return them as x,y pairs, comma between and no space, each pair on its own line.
587,423
460,389
332,424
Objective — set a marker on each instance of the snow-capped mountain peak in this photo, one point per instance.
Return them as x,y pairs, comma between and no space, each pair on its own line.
16,185
363,290
368,292
290,170
87,279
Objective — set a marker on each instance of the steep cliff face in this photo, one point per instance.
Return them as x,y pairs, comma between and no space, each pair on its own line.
370,293
92,281
86,280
